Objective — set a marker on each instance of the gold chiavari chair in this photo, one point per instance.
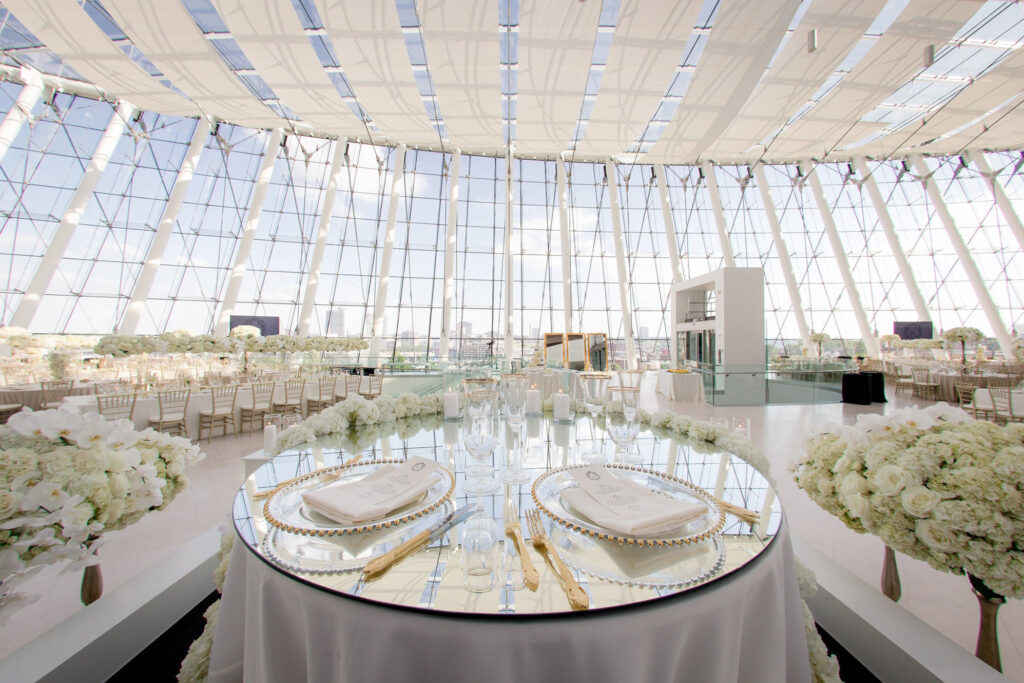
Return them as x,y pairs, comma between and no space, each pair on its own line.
924,385
375,384
54,393
8,409
262,395
292,403
324,397
172,405
116,406
222,411
341,388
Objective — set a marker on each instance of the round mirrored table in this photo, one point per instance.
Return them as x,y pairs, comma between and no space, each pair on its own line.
297,605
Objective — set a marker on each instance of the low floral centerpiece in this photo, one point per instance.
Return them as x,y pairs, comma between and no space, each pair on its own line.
933,484
67,477
963,335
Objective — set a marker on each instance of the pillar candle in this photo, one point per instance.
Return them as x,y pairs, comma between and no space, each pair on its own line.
451,405
532,402
269,437
561,406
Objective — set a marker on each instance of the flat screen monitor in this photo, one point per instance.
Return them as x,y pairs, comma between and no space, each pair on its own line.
913,330
267,324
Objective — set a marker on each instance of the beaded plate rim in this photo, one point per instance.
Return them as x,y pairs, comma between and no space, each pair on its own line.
644,541
358,529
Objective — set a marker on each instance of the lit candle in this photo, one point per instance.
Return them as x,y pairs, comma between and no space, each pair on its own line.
560,406
532,402
451,405
269,437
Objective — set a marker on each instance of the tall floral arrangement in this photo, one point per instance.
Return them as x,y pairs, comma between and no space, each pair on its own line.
932,484
963,335
67,477
819,338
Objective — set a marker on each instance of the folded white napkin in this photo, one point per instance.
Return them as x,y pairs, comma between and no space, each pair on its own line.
375,495
621,505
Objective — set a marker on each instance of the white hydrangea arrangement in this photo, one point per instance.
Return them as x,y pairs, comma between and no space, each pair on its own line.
67,477
248,339
933,484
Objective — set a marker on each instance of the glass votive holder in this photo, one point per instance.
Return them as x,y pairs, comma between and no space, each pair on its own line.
479,571
563,400
271,426
452,404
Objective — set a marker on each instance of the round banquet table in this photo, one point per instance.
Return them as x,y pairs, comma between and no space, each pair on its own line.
681,386
740,621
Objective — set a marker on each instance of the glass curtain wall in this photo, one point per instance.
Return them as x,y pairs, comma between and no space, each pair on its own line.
97,274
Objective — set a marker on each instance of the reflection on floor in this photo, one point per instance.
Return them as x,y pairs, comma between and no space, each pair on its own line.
941,600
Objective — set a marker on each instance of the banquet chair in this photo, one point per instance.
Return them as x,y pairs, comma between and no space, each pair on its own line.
172,406
54,393
904,379
1001,382
262,394
353,382
375,382
292,403
222,411
924,385
1003,406
323,396
8,409
341,388
116,406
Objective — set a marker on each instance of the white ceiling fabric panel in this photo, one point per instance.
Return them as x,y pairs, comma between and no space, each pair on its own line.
88,50
367,38
461,39
797,74
556,43
167,35
272,38
739,48
897,56
645,51
988,92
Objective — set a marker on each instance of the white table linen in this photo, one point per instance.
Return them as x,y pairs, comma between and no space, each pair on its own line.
681,386
747,626
31,395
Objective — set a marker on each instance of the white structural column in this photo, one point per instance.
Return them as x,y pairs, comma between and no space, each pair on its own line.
313,281
509,300
1002,201
716,206
143,286
889,228
252,221
563,225
384,275
449,256
670,226
620,262
22,108
26,310
839,253
783,252
966,262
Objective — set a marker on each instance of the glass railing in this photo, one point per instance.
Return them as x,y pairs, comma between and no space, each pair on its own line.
781,382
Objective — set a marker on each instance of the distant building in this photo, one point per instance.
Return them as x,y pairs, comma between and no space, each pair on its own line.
336,321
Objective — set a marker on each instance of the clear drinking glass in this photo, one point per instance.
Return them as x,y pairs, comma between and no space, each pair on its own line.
513,393
479,439
622,421
594,386
479,571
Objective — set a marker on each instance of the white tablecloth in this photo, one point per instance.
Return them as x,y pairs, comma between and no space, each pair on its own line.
745,627
681,386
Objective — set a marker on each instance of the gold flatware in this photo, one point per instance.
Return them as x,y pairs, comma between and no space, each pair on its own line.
530,576
742,513
578,598
378,565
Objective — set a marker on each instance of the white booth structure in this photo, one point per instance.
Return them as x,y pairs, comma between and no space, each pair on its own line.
718,323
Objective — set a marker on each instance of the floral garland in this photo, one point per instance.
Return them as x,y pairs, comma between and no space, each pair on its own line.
66,477
920,344
933,484
180,341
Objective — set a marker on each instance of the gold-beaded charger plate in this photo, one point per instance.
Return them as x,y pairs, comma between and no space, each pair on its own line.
284,509
547,495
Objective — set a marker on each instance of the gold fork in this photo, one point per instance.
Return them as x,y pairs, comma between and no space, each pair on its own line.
578,598
530,576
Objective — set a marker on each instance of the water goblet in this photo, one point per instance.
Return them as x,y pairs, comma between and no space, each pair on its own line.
480,442
622,423
594,385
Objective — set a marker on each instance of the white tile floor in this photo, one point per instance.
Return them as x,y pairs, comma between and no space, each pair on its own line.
941,600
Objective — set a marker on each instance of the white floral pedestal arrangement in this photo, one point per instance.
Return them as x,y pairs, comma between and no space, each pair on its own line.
66,478
936,485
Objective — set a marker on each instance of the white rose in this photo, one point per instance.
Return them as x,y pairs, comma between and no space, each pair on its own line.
919,500
935,536
859,505
891,479
853,483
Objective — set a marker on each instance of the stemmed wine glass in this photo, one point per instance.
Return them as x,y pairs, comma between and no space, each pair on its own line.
480,441
622,423
513,391
594,385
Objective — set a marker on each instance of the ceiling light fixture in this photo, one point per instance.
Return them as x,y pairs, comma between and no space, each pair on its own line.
812,40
